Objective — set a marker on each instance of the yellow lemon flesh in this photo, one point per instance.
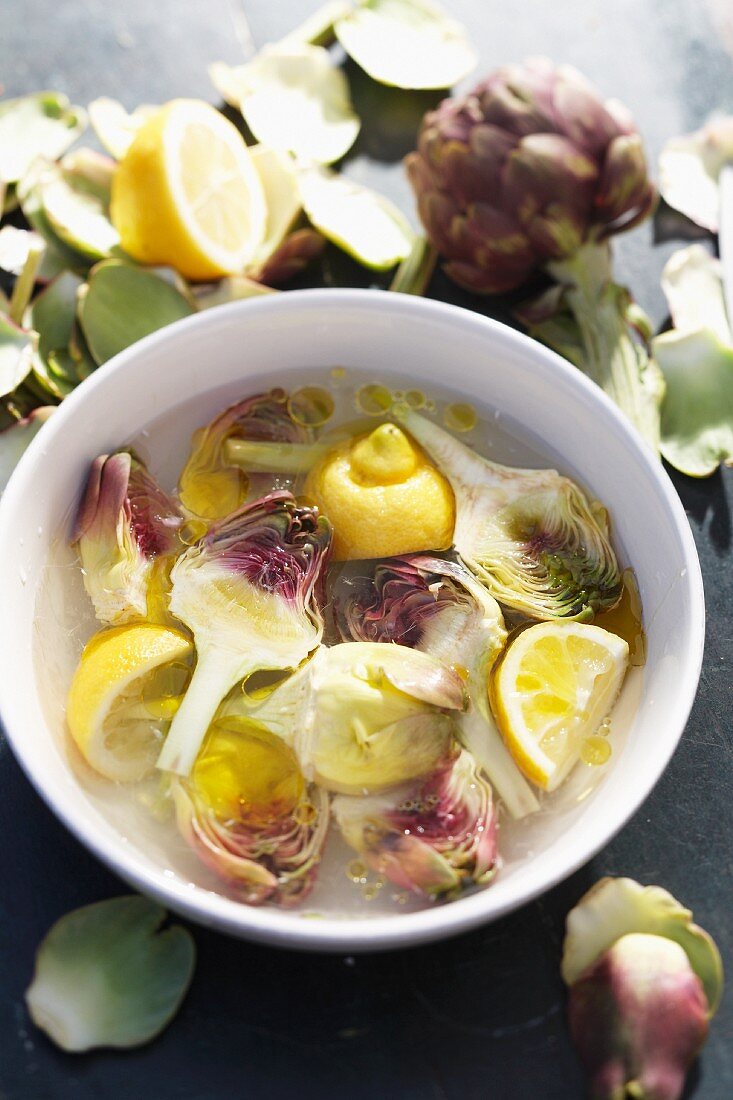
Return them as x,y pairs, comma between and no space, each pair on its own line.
383,497
551,690
187,194
245,773
126,689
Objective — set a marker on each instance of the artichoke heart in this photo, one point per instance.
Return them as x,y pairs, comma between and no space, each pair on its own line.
383,496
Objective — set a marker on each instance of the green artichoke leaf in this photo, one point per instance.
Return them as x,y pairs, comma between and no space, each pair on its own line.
122,303
293,100
15,439
279,180
16,246
697,415
318,29
615,907
59,256
16,354
696,359
232,289
107,976
40,125
406,43
692,281
689,167
114,126
51,314
75,199
360,221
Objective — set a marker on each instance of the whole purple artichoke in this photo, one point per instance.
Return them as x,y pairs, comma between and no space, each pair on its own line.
524,170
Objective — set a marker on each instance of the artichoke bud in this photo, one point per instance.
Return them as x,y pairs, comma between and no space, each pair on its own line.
644,982
638,1018
536,145
430,836
246,811
250,591
209,487
530,536
124,524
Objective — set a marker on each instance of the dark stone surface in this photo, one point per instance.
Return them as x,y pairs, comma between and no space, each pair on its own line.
481,1015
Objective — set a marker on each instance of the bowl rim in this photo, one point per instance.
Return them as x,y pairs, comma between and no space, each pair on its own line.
347,934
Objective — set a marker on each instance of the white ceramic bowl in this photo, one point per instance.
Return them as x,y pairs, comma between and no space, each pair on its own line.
248,346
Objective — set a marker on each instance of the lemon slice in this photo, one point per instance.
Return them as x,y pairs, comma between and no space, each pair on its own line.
187,193
124,693
552,689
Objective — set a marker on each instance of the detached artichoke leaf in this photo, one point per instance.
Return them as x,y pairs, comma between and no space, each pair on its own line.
692,281
689,168
75,199
122,304
293,100
638,1019
16,246
17,346
51,314
428,837
114,127
406,43
615,907
531,537
696,359
644,982
40,125
318,29
250,591
234,288
360,221
15,439
697,416
279,180
125,522
107,976
59,256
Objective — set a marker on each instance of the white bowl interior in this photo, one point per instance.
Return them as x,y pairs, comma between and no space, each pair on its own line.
541,412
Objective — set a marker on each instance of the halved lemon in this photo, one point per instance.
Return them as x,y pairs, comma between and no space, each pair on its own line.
187,193
552,689
124,693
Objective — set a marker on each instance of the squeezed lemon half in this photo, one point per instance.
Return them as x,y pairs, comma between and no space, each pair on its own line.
125,690
552,689
187,194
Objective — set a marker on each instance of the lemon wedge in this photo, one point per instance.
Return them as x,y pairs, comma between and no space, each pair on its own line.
552,689
187,194
124,693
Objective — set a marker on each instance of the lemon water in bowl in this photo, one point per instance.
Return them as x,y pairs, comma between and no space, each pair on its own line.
353,666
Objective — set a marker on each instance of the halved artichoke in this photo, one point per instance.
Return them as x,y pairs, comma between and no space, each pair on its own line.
430,836
124,524
530,536
437,606
248,813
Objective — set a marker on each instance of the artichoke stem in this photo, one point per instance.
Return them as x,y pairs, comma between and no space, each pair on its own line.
212,679
608,354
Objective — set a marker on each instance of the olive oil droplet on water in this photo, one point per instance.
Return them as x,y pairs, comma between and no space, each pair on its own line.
626,619
374,400
311,406
460,417
595,750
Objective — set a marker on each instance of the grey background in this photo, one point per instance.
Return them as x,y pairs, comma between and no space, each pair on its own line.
481,1015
